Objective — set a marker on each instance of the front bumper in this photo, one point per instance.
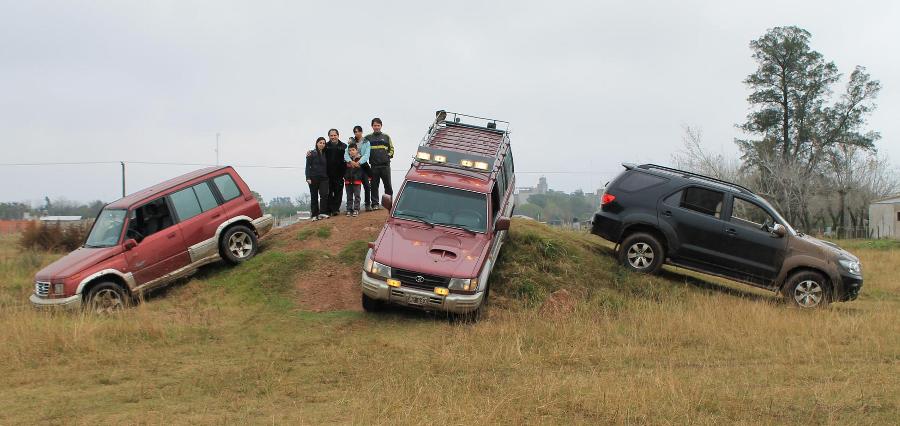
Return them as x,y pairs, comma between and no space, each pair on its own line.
852,285
73,302
454,303
264,224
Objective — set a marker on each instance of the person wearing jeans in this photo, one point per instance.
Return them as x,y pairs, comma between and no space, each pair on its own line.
334,152
353,180
363,163
381,153
317,179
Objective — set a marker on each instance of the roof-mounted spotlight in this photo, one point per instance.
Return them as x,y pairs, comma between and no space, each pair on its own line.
440,115
492,125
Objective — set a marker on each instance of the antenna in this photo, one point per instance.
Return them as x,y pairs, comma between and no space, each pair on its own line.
217,148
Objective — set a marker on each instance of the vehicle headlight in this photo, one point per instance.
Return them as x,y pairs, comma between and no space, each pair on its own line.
851,266
464,284
380,270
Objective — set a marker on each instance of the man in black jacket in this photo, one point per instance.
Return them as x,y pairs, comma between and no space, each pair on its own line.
334,153
382,151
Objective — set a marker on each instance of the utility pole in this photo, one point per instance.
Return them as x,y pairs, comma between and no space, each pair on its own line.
123,178
217,148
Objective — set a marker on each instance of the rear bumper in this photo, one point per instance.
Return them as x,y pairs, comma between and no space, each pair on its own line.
264,224
607,227
454,303
73,302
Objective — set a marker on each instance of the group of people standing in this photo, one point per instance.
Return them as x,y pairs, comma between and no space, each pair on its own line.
333,167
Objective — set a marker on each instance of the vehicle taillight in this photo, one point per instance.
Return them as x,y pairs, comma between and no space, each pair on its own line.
606,199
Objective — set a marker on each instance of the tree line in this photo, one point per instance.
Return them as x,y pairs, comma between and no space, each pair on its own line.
808,148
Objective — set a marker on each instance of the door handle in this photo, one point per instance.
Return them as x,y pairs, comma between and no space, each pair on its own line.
667,213
216,215
170,236
731,231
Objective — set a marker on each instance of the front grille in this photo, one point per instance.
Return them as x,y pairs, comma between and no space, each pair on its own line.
411,279
41,289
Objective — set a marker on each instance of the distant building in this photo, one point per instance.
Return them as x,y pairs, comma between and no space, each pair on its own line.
524,193
13,226
884,218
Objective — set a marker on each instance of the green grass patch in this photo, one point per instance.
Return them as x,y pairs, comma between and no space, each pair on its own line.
305,233
267,278
354,253
884,244
323,232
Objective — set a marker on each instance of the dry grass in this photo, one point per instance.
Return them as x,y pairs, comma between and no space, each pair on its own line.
230,346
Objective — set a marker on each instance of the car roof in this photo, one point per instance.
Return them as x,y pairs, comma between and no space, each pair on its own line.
693,178
160,188
449,177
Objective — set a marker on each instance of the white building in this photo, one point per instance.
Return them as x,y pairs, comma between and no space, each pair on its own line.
524,193
884,218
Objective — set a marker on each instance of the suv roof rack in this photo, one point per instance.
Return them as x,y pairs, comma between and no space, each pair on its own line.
474,149
687,174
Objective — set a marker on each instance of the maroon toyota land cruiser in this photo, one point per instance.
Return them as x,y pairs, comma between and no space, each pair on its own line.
441,241
155,236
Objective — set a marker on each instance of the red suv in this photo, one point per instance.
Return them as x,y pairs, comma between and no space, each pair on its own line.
155,236
444,234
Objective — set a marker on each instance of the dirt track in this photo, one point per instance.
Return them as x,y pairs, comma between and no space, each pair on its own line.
330,285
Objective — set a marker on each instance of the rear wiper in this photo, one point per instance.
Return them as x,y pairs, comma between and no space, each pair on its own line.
455,226
415,217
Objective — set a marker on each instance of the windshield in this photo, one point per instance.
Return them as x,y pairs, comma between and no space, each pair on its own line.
438,205
106,229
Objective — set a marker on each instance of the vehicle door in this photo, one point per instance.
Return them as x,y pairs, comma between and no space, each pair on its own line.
160,249
694,214
754,253
199,215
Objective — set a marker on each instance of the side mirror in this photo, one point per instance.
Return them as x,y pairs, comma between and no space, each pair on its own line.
502,224
130,244
386,201
779,231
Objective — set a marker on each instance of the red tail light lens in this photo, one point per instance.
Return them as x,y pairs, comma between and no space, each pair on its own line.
606,199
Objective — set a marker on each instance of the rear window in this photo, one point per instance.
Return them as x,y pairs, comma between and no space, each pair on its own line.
186,204
227,187
703,201
636,181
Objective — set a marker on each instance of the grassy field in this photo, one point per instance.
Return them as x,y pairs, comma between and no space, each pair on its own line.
232,345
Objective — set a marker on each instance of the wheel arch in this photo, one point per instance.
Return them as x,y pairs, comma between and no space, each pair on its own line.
806,268
647,229
235,221
126,281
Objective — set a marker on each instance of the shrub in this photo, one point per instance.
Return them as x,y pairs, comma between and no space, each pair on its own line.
53,237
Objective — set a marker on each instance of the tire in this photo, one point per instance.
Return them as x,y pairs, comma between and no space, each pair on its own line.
106,298
238,244
807,290
641,252
371,305
474,316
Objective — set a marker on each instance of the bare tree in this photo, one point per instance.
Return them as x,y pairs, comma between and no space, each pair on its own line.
696,158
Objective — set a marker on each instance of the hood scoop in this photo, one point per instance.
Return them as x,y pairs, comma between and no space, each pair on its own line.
442,254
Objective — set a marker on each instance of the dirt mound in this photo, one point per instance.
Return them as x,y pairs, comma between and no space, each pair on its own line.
332,284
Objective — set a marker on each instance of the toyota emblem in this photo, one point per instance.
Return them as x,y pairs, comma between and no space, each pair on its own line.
420,279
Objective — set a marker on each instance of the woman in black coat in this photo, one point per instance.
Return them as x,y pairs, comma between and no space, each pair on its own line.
317,178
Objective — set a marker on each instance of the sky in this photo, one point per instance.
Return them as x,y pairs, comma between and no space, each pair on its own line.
586,85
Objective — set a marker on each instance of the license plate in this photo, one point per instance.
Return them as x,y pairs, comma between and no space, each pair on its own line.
417,300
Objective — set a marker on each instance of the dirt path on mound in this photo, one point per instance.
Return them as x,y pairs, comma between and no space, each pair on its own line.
330,284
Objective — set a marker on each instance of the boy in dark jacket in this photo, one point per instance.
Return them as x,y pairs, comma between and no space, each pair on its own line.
317,178
382,151
353,178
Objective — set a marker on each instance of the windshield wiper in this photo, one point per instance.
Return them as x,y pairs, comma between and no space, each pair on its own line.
455,226
415,217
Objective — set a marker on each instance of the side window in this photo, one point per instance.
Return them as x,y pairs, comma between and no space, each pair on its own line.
186,204
749,214
501,178
673,200
636,181
495,202
227,187
205,196
703,201
149,219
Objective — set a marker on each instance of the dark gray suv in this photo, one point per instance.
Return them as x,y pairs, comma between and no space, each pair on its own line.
659,215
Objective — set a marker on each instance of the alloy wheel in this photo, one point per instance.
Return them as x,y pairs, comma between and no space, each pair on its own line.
107,301
240,245
808,294
640,255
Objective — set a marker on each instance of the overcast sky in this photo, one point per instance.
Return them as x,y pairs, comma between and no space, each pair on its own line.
586,85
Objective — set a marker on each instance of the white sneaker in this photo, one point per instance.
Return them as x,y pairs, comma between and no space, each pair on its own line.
323,216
